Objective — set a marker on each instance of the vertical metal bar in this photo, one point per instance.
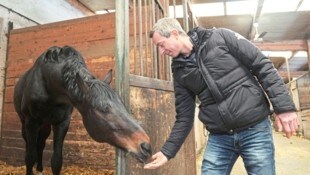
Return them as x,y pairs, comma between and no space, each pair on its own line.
155,56
140,37
146,38
135,37
150,20
174,9
122,66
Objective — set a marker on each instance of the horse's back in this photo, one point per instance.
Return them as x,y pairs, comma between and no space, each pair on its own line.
32,99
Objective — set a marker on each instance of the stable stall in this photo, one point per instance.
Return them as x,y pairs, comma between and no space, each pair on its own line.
141,77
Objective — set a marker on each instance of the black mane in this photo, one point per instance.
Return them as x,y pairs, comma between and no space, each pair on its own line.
99,92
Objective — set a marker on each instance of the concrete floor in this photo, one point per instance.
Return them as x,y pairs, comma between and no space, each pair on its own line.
292,157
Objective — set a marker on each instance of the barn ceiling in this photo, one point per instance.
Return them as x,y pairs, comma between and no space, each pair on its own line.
258,26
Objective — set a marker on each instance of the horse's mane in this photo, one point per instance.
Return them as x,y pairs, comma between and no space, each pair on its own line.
98,96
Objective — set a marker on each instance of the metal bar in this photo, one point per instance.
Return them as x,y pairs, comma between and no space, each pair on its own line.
155,56
174,10
135,36
160,6
299,4
140,37
146,38
151,44
122,66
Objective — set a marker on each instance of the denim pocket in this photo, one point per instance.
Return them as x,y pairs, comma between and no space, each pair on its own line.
264,125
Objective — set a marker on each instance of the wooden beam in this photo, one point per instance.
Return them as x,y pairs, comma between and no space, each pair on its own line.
293,74
288,70
257,14
289,45
150,83
185,14
308,51
287,60
299,4
81,7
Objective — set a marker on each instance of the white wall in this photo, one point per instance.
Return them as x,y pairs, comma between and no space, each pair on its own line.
43,11
200,132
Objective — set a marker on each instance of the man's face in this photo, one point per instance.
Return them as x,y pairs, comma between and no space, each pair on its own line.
167,46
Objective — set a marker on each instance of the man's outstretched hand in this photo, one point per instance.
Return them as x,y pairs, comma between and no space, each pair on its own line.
157,160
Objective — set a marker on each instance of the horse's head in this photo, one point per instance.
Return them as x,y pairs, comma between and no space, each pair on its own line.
104,115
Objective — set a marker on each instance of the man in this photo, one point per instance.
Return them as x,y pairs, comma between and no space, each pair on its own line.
230,77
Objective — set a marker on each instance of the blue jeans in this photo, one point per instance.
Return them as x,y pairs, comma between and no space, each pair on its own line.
254,145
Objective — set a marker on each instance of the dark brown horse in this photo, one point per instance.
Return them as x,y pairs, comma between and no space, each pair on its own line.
44,98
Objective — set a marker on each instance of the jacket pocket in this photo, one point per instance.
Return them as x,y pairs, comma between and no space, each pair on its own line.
243,99
253,89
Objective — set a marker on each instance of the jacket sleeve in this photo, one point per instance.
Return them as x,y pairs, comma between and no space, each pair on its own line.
261,67
185,111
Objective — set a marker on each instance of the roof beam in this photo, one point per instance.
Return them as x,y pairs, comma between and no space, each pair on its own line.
256,16
287,60
293,74
289,45
299,4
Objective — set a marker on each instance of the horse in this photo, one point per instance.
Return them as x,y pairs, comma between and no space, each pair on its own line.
44,98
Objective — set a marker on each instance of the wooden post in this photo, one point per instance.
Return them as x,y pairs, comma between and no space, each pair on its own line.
9,28
185,14
122,66
288,70
308,51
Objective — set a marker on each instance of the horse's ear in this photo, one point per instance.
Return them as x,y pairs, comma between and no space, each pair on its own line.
108,77
81,83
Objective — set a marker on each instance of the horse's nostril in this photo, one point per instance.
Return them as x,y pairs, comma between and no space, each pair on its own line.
146,148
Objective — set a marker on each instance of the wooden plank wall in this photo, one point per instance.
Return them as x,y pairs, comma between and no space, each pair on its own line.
303,87
94,38
306,123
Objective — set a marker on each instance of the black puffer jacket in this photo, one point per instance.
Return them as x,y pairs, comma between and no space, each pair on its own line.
238,75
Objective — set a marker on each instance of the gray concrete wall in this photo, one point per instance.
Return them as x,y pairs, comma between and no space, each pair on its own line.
6,16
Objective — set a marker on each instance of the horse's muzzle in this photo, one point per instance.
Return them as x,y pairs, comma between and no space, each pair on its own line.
145,152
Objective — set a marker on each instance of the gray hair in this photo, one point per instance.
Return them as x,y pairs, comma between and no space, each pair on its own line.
164,26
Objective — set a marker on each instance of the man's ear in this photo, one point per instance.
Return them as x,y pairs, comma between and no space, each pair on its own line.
175,33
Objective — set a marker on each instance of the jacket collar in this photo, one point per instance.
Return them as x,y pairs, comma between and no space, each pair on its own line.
198,35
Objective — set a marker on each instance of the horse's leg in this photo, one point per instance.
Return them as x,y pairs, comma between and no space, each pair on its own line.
31,134
43,135
60,132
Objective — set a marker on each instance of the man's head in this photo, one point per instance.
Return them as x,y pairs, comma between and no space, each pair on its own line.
167,34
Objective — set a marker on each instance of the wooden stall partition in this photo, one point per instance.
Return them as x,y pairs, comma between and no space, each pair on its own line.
93,37
303,86
152,103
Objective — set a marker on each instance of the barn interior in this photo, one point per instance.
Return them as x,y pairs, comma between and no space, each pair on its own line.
281,30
